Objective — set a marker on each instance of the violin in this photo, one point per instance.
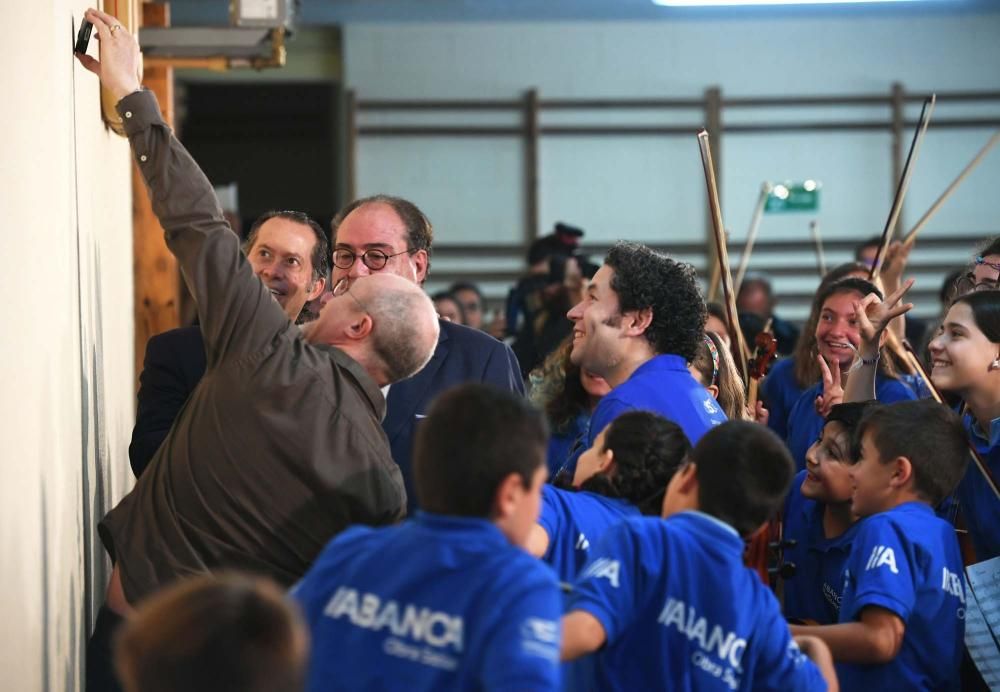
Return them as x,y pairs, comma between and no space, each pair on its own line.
764,552
764,354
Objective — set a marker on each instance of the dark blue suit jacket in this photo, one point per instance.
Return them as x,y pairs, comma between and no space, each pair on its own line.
175,363
173,367
462,355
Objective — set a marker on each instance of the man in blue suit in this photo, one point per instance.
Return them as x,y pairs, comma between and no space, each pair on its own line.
390,234
290,253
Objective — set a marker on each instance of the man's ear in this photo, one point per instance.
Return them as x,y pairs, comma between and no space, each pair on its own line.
361,327
420,263
317,289
638,321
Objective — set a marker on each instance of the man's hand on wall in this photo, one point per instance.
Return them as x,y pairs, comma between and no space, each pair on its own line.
119,65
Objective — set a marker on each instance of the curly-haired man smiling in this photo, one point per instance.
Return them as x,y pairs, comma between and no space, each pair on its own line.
639,324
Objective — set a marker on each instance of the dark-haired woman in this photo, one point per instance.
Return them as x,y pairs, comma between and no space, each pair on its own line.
837,337
791,376
625,473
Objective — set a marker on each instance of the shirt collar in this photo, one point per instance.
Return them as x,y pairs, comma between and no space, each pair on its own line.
483,529
702,517
664,361
994,436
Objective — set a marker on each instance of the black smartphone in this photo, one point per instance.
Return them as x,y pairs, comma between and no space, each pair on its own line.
83,37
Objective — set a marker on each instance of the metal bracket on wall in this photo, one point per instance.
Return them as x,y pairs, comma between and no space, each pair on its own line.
214,48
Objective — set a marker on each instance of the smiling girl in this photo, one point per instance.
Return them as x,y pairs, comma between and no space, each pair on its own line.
837,339
966,359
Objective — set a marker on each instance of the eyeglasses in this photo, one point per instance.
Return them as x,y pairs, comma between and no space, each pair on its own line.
344,286
715,359
373,259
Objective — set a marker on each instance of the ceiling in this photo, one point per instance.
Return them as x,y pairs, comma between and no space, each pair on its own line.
326,12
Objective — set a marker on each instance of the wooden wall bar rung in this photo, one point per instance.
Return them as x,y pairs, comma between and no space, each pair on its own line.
437,105
440,131
762,246
624,104
663,130
839,100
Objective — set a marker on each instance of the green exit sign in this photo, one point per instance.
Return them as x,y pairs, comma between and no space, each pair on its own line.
787,197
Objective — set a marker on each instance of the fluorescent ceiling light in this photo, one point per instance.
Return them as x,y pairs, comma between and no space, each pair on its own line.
747,3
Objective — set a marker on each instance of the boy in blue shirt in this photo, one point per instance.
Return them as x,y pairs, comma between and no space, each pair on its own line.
669,602
818,525
901,614
447,600
623,474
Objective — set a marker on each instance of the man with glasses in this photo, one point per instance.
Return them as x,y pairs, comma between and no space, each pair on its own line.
385,234
290,254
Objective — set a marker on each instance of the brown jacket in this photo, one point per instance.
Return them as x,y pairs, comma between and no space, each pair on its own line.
279,447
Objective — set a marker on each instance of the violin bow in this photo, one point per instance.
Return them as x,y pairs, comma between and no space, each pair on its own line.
818,243
713,284
722,254
904,183
758,214
936,395
911,235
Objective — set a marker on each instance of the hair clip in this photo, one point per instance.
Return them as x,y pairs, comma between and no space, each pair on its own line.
715,359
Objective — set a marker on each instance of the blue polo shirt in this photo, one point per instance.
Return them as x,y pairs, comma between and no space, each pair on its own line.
434,603
805,425
780,391
814,591
574,522
662,385
907,560
978,504
682,612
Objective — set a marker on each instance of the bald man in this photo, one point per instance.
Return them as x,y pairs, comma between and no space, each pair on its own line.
280,445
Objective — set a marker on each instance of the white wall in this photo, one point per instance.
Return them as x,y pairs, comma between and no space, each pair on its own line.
651,188
66,404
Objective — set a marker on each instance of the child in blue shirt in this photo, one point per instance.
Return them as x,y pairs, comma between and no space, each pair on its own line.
818,525
623,474
966,357
901,614
447,600
669,603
